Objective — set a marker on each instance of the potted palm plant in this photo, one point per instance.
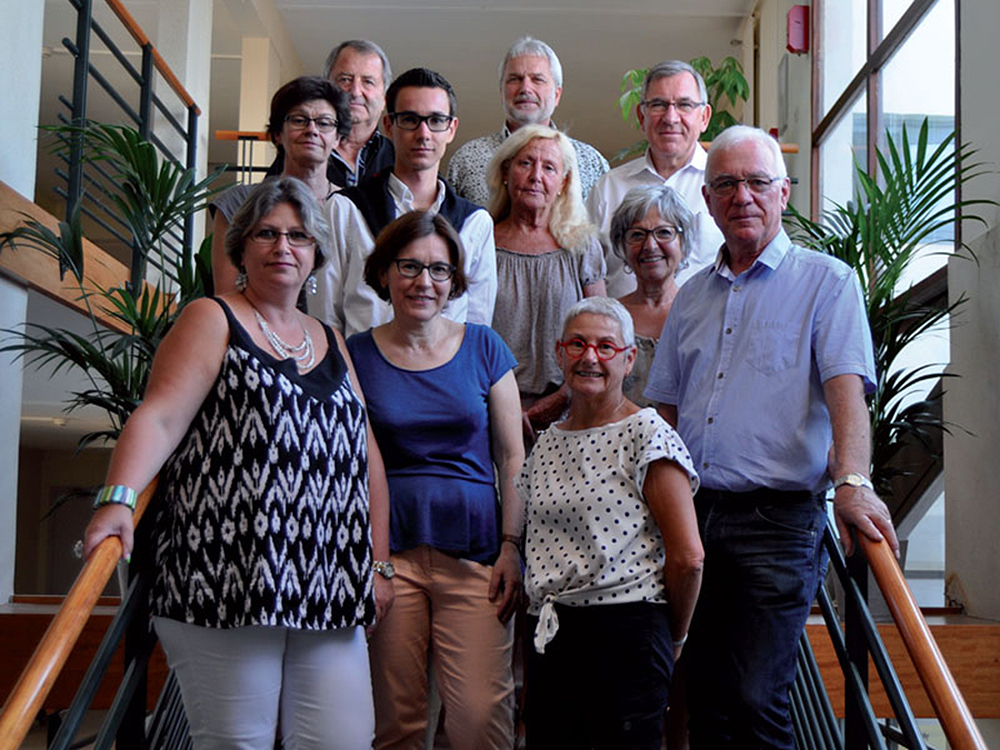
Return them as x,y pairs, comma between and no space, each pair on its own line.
893,218
153,196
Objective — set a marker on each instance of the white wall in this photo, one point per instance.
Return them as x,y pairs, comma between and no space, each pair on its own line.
973,402
21,57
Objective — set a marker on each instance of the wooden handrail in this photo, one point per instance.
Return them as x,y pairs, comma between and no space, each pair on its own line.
241,135
38,677
161,65
949,705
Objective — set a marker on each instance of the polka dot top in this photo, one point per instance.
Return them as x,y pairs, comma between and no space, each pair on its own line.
591,537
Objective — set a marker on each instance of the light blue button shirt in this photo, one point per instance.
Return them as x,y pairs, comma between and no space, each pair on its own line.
744,360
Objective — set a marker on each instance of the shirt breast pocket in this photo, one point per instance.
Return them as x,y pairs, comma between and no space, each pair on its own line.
773,346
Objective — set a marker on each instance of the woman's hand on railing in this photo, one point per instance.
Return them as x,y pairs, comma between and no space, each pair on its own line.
109,520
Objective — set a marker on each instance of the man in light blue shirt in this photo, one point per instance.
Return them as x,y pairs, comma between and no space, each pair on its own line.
762,366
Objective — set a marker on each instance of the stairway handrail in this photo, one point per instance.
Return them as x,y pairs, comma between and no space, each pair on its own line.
47,661
952,711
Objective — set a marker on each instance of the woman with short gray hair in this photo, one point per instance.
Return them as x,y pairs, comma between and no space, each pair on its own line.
612,551
652,231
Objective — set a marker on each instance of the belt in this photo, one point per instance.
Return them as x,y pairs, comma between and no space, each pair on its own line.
758,495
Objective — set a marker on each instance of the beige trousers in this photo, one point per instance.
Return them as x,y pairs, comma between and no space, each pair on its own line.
442,607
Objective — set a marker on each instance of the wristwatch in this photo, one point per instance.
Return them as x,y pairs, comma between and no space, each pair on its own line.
854,480
384,569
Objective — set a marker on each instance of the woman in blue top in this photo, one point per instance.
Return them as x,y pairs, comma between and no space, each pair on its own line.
444,406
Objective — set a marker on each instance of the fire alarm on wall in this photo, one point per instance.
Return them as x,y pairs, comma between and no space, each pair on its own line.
798,29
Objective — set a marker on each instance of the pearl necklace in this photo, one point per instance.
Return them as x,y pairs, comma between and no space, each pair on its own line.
304,354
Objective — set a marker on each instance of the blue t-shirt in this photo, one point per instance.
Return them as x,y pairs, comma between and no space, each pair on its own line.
433,429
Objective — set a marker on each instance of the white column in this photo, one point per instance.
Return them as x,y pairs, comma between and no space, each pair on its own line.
20,51
972,401
260,77
184,39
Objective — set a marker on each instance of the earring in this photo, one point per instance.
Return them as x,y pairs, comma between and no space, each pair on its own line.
241,280
311,284
628,269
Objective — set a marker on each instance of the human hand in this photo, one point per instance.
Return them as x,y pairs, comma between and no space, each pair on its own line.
385,592
505,583
861,508
109,520
548,409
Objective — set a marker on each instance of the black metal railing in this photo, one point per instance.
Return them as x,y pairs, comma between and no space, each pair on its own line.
85,184
125,723
855,645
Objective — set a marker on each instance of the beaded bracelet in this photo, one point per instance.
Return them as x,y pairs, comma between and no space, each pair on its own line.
116,494
512,538
681,641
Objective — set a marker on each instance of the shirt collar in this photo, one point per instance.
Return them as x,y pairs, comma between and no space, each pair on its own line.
697,162
771,256
403,196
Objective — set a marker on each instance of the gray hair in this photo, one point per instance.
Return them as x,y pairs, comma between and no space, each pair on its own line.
365,47
262,200
669,69
636,204
568,221
738,134
609,308
528,45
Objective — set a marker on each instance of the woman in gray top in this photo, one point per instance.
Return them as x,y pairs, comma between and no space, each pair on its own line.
548,258
309,116
652,231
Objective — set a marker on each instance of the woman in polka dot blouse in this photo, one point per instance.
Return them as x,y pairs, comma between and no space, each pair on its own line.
612,550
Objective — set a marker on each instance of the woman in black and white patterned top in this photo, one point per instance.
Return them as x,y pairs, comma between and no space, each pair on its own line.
612,549
268,523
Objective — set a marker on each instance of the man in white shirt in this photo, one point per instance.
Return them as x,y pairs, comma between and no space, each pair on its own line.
531,79
421,122
673,113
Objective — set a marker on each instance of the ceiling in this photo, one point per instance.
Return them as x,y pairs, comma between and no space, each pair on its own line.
596,40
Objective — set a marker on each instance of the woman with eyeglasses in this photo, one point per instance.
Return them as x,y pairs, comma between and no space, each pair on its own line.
272,506
548,257
612,550
444,407
309,116
652,231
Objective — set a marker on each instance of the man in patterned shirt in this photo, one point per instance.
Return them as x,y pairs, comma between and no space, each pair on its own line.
531,85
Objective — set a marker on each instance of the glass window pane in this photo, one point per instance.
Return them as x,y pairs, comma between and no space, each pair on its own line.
845,145
844,47
928,56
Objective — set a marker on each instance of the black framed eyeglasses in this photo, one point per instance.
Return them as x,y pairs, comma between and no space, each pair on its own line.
323,123
411,269
726,186
660,106
296,237
605,350
436,123
662,234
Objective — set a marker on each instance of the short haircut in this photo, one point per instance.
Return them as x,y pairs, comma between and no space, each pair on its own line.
636,204
609,307
262,200
398,235
528,45
669,69
420,78
365,47
568,222
737,134
307,89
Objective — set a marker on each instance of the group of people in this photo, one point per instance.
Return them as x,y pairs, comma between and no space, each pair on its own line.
412,399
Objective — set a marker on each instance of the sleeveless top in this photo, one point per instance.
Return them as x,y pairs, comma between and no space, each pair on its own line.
263,507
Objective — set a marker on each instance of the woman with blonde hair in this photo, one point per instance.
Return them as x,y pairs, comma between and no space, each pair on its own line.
548,258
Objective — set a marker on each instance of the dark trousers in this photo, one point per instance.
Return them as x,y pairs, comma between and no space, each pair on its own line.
602,682
764,560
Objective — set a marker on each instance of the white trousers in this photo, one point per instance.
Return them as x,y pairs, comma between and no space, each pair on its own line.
240,685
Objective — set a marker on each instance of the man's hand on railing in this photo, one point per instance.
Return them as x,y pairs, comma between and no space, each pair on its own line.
110,520
861,508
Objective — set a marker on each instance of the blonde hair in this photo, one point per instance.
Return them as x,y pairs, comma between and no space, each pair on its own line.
568,221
